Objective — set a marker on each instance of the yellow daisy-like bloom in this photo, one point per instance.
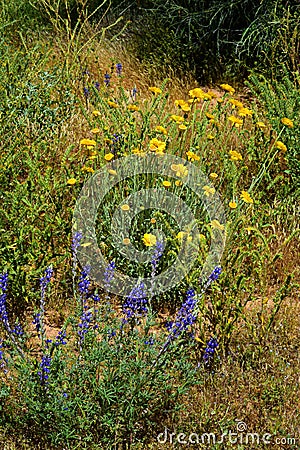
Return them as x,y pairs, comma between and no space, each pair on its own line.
132,108
112,172
71,181
183,105
192,156
235,156
232,205
245,196
109,156
210,137
87,169
149,239
260,124
237,122
153,220
126,241
208,190
125,207
180,169
206,96
157,146
181,235
96,113
88,142
236,103
178,183
177,119
161,129
227,88
215,224
182,127
243,112
95,130
155,90
196,93
288,122
213,175
112,104
209,116
166,183
281,146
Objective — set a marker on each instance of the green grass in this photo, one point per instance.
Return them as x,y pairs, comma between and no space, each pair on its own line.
251,309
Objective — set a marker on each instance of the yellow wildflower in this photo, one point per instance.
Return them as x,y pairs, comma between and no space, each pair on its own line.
209,116
157,146
96,113
235,156
87,169
132,108
243,112
166,183
153,220
236,103
71,181
178,183
180,169
237,122
210,137
232,205
261,125
109,156
288,122
125,207
213,175
155,90
182,127
112,104
228,88
208,190
183,105
95,130
149,239
196,93
177,119
88,142
245,196
112,172
281,146
182,234
126,241
161,129
192,156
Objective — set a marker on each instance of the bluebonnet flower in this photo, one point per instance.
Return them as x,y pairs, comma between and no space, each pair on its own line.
44,281
109,273
3,290
2,362
97,85
136,303
84,282
37,321
119,68
133,93
157,254
84,324
111,334
107,78
60,338
150,341
86,92
210,350
215,273
17,330
185,316
45,369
